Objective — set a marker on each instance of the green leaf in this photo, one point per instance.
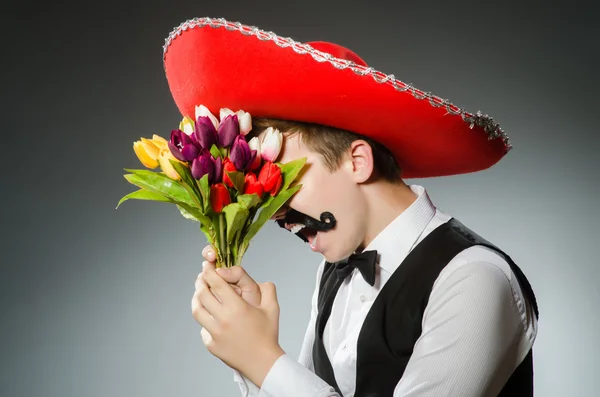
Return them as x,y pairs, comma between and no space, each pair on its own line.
235,217
248,200
224,152
214,150
290,171
160,183
186,214
189,181
237,178
268,211
143,195
195,215
205,192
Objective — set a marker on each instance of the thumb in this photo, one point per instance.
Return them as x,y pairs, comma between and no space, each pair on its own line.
237,275
268,293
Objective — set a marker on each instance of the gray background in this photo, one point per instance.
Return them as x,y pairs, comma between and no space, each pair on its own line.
96,301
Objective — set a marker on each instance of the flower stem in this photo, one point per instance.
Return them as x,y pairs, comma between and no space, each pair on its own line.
222,242
227,253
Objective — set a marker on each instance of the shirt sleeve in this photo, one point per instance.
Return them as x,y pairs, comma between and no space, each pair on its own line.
474,332
289,377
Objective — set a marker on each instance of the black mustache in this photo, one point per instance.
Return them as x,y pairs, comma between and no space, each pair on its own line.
292,216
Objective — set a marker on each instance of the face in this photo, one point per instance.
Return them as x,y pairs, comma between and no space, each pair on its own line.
338,193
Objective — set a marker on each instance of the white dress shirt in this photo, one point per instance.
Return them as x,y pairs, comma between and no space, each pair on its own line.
476,328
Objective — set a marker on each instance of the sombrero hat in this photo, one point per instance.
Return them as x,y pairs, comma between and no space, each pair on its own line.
222,64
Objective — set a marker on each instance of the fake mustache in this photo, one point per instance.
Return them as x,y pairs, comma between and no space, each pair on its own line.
292,216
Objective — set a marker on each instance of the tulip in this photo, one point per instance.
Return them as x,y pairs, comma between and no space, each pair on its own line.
182,146
163,159
205,133
147,152
218,175
252,185
202,165
224,112
219,197
228,130
160,142
270,177
228,167
202,111
271,144
245,121
241,155
254,144
187,125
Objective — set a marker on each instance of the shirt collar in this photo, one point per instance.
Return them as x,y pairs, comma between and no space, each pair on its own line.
395,241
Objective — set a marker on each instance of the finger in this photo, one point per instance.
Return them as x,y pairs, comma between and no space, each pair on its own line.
206,297
207,338
202,316
238,276
209,253
218,285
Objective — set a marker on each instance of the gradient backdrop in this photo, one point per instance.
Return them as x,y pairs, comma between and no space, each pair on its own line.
95,301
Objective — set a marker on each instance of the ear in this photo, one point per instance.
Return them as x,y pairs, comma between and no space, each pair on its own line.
361,161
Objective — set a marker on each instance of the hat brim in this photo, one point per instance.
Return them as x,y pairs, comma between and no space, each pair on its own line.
222,64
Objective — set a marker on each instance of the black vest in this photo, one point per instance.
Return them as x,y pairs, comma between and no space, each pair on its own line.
393,324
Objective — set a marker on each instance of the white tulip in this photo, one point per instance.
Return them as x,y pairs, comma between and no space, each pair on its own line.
245,121
271,144
187,125
254,144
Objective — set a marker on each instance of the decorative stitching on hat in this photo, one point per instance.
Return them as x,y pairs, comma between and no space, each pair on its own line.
484,121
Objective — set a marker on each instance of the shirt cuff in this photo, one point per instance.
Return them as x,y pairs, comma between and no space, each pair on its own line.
247,387
288,377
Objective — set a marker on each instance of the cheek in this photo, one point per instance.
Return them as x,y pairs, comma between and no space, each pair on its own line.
323,191
343,198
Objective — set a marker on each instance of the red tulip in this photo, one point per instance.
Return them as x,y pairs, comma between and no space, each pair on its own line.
228,167
252,185
270,177
219,197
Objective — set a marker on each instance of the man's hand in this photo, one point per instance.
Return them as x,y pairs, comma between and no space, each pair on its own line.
237,277
243,335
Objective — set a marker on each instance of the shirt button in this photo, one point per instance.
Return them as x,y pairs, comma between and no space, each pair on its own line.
363,298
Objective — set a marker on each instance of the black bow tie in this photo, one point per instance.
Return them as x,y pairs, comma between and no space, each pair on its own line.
365,262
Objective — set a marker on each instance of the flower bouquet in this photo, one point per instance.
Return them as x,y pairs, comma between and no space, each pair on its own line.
214,176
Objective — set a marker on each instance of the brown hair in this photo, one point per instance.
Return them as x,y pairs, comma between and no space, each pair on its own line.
332,144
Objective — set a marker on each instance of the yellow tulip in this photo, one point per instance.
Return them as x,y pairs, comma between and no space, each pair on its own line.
160,142
146,152
163,158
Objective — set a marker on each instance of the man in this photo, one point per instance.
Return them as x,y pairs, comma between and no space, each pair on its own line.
408,301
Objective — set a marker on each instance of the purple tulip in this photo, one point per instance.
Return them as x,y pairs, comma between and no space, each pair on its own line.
202,165
241,155
182,146
228,130
218,175
205,132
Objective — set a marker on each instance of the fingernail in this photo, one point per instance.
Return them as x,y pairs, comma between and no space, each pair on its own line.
223,271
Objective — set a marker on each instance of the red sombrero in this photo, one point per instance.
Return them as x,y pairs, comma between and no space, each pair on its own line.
222,64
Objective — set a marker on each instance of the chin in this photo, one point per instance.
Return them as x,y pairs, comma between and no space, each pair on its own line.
333,256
